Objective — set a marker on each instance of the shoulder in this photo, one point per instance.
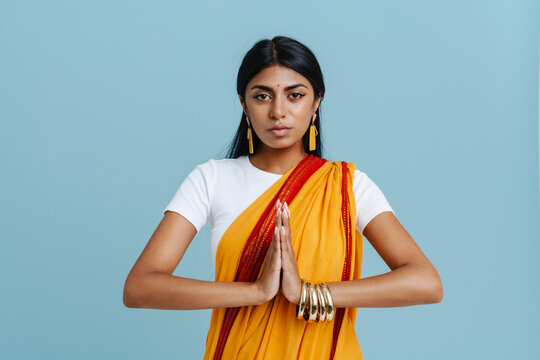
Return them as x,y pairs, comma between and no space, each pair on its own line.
359,176
213,171
360,179
353,170
212,166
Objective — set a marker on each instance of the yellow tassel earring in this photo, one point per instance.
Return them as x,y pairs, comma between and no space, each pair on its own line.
250,139
312,133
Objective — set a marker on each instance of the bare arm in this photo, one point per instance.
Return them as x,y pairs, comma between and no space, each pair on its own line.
412,280
150,283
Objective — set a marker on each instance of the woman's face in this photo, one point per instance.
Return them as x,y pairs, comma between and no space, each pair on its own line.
279,96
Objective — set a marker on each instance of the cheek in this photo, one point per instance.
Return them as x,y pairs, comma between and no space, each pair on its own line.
304,129
303,114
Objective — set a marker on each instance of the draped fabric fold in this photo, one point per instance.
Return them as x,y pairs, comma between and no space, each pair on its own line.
328,248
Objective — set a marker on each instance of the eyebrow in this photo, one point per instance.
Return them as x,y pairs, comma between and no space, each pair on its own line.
266,88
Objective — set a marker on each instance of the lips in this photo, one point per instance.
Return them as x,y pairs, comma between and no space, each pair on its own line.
280,127
280,131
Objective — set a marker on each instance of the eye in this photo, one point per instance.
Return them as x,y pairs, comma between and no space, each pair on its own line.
258,98
297,97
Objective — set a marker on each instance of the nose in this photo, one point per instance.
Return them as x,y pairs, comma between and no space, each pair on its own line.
278,108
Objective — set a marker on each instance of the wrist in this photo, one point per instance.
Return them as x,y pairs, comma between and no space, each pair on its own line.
298,293
259,296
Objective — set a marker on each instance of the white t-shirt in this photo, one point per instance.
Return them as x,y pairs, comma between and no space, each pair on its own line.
218,191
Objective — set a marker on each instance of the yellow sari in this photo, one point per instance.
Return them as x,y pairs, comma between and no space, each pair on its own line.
328,248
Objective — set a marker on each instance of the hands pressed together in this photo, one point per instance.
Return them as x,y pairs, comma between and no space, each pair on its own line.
280,256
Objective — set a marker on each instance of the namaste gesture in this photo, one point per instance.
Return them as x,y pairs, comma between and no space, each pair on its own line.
280,256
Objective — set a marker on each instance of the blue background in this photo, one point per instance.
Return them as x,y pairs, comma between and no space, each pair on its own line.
106,106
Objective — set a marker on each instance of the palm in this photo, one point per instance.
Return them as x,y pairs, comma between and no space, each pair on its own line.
291,281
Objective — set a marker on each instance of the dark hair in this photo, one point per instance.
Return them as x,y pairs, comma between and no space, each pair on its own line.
284,51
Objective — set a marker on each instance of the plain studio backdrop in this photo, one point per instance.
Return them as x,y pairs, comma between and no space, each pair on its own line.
106,106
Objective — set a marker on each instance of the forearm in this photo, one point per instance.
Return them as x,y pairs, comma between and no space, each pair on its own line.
164,291
404,286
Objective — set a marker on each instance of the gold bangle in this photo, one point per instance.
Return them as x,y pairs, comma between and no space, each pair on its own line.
322,303
306,310
313,304
329,303
301,307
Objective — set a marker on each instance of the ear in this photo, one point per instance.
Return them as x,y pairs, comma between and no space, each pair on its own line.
243,107
316,104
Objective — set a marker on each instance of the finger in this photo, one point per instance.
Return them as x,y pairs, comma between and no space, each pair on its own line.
287,225
275,237
272,244
283,241
278,247
276,252
278,242
278,205
275,248
278,217
286,254
285,218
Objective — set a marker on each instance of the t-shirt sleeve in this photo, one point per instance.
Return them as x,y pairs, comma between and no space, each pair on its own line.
370,200
193,198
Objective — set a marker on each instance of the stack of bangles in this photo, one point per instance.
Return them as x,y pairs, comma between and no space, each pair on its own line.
320,306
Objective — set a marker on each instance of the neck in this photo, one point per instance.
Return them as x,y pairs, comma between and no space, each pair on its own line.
278,161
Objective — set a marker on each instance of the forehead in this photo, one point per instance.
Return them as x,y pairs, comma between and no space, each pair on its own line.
276,74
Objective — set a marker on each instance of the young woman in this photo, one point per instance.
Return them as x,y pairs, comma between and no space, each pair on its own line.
286,228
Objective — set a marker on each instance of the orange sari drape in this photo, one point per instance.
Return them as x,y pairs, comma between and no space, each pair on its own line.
327,247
